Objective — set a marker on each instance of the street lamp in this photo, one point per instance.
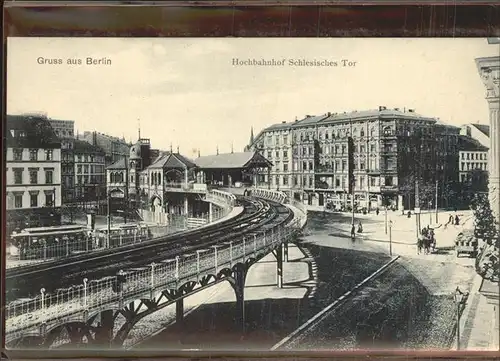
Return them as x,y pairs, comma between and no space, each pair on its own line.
390,238
430,212
459,298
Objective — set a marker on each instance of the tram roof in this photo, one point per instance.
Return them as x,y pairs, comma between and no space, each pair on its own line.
239,160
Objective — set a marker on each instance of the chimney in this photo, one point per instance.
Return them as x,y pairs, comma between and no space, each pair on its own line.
411,110
283,122
94,140
396,109
329,113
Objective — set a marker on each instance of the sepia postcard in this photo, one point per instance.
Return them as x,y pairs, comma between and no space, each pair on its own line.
252,194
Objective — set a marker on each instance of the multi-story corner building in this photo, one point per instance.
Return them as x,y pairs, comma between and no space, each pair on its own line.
90,173
114,148
33,173
83,173
473,161
63,128
379,155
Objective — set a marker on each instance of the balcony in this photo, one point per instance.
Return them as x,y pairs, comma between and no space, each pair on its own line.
389,189
185,188
324,170
374,171
388,152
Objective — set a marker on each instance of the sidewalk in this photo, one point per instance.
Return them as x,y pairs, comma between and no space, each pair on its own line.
479,324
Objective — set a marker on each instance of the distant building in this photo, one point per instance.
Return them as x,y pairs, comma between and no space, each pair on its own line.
83,173
114,147
473,161
33,172
480,132
63,128
375,154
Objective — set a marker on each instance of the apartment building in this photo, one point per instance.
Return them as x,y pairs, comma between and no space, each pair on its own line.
114,148
377,155
33,173
473,162
63,128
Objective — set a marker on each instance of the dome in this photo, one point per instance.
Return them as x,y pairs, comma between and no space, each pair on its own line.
135,151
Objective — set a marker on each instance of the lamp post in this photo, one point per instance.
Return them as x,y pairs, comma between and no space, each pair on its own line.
458,296
108,235
385,219
430,212
390,238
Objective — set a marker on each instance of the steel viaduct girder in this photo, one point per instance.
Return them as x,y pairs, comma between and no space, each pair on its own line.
98,329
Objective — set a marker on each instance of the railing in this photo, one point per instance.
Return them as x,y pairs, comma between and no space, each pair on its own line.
172,224
269,194
47,310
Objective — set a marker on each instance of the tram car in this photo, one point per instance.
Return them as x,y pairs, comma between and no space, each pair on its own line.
122,234
49,242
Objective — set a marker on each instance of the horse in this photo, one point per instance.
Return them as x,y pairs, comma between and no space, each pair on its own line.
425,243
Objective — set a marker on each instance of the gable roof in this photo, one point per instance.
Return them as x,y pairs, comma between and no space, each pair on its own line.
85,147
172,160
121,164
469,144
483,128
231,160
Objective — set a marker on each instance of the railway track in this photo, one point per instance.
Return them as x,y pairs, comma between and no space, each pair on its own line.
258,216
314,322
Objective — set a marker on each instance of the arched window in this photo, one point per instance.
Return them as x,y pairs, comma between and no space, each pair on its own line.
387,131
121,177
362,132
159,178
372,132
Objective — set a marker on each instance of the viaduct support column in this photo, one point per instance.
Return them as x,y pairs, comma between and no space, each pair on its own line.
239,274
285,251
489,70
104,334
279,265
210,212
179,311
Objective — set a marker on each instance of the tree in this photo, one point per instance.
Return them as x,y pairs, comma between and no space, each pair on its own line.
484,221
485,227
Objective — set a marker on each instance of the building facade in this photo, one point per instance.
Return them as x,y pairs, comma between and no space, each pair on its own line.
377,155
114,148
63,128
479,132
473,158
33,173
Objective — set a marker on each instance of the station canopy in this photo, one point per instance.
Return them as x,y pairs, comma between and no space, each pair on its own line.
243,160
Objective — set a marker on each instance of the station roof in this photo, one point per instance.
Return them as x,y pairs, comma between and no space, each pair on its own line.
172,160
232,161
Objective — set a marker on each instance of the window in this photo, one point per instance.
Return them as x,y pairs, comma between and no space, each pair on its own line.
18,175
362,132
310,182
33,154
85,168
362,149
463,165
344,165
343,149
33,176
285,139
311,166
388,181
269,154
49,198
372,148
34,200
337,182
18,200
49,175
49,154
285,181
18,153
278,166
79,179
285,167
372,181
304,165
362,165
86,158
336,149
285,154
361,182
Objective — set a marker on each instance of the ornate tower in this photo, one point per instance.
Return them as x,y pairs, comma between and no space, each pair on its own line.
134,168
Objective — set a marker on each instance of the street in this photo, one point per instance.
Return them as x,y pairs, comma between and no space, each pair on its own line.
416,293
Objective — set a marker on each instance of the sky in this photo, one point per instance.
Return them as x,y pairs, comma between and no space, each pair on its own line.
187,93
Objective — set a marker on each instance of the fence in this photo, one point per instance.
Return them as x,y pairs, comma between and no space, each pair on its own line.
25,314
269,194
43,252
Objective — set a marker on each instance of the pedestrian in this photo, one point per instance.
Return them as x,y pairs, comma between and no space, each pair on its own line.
409,214
377,211
360,227
450,220
353,231
457,220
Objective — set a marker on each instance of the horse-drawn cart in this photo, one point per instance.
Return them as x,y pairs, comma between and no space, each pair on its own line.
466,243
